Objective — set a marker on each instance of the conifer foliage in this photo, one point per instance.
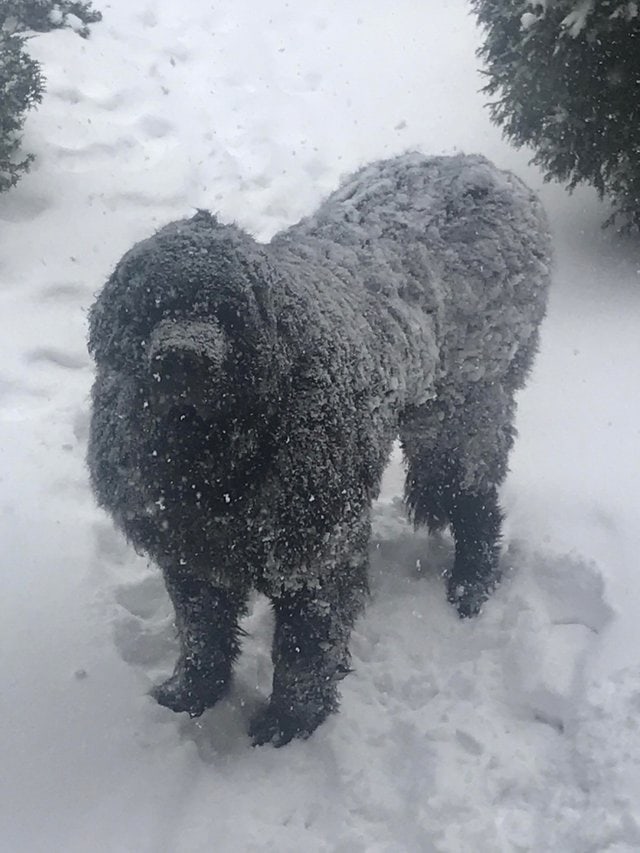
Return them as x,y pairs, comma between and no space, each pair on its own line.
21,79
566,74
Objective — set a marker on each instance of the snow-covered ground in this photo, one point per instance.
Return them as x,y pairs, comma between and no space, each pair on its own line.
519,731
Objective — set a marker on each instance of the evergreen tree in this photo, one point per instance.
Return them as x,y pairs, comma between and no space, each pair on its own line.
21,80
567,78
45,15
21,85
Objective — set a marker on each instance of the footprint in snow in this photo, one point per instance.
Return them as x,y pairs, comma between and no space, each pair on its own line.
72,95
148,18
67,94
143,598
177,53
20,206
111,547
81,424
145,642
571,588
142,619
313,81
11,390
553,614
73,292
155,127
95,153
58,358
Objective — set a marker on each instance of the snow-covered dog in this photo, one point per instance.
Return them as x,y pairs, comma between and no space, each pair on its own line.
247,397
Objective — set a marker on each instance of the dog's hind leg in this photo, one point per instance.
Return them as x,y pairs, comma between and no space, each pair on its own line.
475,520
207,623
310,652
456,448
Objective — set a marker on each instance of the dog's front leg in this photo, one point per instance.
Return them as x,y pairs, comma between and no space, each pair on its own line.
310,656
207,622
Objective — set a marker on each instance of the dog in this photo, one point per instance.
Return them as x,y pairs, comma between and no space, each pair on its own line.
247,396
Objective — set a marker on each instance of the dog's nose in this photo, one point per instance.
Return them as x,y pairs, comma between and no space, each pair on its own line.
173,380
173,372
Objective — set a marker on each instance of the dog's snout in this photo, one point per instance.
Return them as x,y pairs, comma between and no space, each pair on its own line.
173,371
176,381
184,360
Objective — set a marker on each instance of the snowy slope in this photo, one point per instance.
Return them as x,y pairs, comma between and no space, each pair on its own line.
515,732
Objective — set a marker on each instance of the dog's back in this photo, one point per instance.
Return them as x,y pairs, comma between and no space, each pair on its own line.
451,239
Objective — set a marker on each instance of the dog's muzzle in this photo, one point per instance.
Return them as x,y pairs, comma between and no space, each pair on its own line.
185,359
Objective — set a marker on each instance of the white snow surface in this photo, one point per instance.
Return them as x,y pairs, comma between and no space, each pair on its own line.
518,731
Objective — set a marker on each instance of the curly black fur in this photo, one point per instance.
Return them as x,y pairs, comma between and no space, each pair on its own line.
247,396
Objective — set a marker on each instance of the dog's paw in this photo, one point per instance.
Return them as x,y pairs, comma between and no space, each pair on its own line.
468,598
278,727
183,692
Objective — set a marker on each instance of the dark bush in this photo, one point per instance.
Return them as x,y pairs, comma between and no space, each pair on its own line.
21,79
21,85
45,15
567,78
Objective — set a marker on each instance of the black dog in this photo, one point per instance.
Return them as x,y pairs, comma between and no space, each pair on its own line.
247,397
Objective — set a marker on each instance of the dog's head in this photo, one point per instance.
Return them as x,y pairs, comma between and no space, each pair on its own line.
189,313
